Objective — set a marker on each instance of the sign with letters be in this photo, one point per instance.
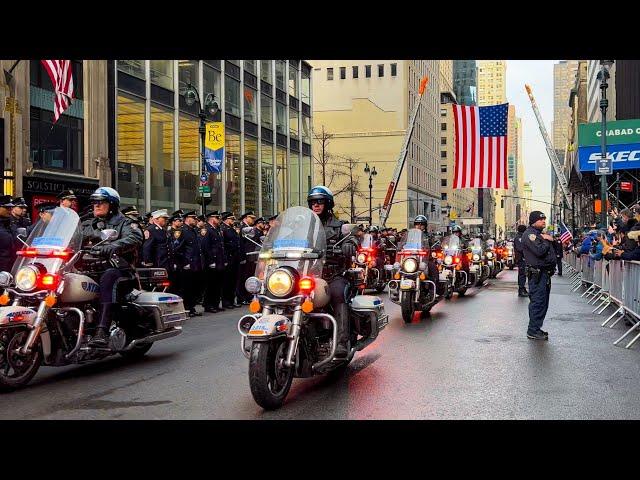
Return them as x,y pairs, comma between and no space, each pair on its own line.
214,147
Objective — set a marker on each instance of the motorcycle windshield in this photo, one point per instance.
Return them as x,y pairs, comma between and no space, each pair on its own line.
416,240
52,242
367,241
296,240
476,245
451,245
491,243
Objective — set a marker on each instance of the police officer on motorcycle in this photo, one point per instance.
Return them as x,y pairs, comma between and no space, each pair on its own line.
120,252
421,223
320,200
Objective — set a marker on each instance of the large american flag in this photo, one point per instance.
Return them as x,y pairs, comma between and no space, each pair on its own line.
565,234
60,73
481,146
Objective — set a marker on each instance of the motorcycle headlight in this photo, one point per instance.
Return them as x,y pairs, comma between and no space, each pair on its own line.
361,258
489,254
434,254
280,283
26,278
410,265
448,260
476,257
252,285
5,279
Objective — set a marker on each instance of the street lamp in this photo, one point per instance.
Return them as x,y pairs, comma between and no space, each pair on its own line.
603,75
372,173
192,96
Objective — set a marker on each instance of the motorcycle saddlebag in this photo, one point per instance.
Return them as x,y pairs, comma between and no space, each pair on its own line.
151,278
167,308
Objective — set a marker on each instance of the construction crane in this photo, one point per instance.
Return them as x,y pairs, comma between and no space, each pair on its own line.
562,180
391,191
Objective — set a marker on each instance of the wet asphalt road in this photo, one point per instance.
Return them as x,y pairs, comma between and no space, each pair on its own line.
469,360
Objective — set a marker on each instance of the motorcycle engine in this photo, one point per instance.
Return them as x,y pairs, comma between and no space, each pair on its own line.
117,339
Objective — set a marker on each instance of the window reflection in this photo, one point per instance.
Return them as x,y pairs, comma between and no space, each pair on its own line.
132,67
187,74
305,87
250,174
280,69
281,173
294,178
266,74
293,81
211,80
306,129
130,151
232,167
306,174
189,145
250,109
293,123
161,72
232,95
267,181
281,118
266,111
162,168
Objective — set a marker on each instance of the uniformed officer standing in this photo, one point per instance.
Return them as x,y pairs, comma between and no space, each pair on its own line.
214,261
45,212
19,215
192,262
232,259
519,258
8,234
540,257
66,198
156,251
248,259
175,239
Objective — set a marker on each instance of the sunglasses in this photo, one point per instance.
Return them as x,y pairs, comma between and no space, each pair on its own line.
319,201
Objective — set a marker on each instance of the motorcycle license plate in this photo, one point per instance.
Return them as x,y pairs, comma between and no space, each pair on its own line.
406,284
445,275
473,268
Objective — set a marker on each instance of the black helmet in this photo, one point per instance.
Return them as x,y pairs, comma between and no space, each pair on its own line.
420,220
321,192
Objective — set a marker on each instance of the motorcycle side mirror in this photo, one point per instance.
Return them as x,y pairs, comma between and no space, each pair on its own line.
22,232
247,230
392,239
108,235
347,229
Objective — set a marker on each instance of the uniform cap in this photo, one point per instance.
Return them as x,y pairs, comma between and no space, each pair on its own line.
67,194
535,216
19,202
162,213
5,201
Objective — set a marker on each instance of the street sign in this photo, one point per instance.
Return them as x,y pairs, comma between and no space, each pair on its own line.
207,195
626,186
604,166
204,189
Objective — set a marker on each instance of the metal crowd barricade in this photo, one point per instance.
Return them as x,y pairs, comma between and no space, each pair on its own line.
588,272
577,278
631,299
601,280
616,278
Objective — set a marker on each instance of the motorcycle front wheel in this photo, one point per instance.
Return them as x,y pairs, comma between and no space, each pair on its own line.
407,306
16,369
269,380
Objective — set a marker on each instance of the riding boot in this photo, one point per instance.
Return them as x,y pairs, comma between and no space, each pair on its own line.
100,338
342,319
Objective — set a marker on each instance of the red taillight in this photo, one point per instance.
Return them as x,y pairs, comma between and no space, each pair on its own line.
49,281
306,285
34,252
165,284
29,252
440,255
456,259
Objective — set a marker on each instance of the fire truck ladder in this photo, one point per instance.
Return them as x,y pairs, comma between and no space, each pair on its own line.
391,191
562,180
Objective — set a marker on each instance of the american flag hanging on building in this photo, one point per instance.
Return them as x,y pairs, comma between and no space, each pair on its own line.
565,234
481,146
60,72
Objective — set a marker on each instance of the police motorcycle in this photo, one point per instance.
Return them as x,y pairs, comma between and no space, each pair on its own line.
477,261
438,255
291,331
390,249
367,260
452,267
50,304
509,255
492,260
413,286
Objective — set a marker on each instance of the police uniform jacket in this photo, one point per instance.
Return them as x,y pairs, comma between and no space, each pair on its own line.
337,262
156,250
8,244
189,248
213,247
518,247
538,252
20,222
127,242
231,244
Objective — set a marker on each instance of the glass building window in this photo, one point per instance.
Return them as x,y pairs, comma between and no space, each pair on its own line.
232,95
394,69
367,71
306,129
162,155
189,148
293,123
211,80
293,81
266,73
266,111
161,72
131,150
187,74
250,174
305,87
343,73
355,71
280,81
443,126
281,118
132,67
281,174
267,181
250,104
380,70
329,73
232,167
306,175
294,179
250,66
58,146
443,140
443,182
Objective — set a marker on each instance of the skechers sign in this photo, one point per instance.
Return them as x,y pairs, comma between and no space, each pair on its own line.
623,146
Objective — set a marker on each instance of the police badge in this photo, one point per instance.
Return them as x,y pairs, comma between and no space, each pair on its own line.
532,237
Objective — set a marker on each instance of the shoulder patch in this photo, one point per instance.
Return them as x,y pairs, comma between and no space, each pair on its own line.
177,234
532,237
147,234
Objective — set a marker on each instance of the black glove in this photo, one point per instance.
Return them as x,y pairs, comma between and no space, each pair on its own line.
103,250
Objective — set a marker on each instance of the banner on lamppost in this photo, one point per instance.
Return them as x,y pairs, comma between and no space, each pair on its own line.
214,147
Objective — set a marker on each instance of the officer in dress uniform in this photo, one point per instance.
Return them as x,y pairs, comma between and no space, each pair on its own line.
213,251
192,270
175,238
156,250
232,260
19,215
66,198
248,259
540,257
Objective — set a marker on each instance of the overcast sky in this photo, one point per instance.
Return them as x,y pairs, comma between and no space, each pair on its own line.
537,167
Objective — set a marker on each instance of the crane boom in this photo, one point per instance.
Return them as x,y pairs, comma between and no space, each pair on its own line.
391,191
562,180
